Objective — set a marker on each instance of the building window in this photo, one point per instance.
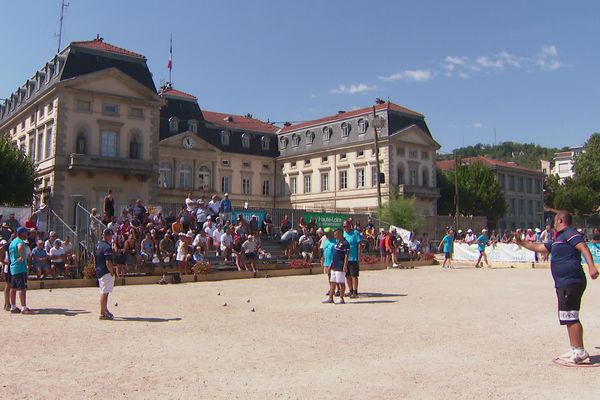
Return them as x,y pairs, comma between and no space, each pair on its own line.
343,180
414,180
399,176
245,140
165,175
307,183
425,155
342,156
521,184
425,177
521,207
31,146
310,137
193,126
49,142
511,182
266,167
40,145
81,144
530,208
225,138
360,178
513,207
529,185
564,167
110,109
345,129
50,107
295,140
108,144
293,185
204,178
266,188
246,186
246,164
84,105
360,153
173,124
136,112
326,133
293,164
225,163
225,184
363,124
265,143
135,149
283,142
42,112
538,186
324,159
324,182
501,181
307,162
400,151
185,176
374,176
413,154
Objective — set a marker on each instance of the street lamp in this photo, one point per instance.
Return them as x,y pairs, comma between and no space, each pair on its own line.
378,123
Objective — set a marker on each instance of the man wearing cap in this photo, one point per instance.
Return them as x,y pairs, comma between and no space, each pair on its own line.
482,242
104,271
226,207
471,238
18,270
327,244
353,237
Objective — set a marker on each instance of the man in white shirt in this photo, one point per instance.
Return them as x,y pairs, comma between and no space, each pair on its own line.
306,244
190,203
214,206
249,247
227,242
113,225
216,237
57,258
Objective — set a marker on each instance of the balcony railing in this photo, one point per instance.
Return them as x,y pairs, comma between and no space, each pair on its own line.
126,166
421,191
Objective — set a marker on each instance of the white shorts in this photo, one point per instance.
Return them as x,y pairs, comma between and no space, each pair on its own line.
337,277
181,256
107,282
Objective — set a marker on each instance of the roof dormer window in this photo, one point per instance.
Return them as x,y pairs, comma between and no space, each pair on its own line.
283,142
345,129
295,140
173,124
310,137
264,141
326,133
363,124
225,138
193,126
245,140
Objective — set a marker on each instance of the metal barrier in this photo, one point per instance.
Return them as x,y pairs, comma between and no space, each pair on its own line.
88,229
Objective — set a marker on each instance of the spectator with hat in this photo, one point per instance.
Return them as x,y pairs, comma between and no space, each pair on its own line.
57,258
470,238
39,260
226,207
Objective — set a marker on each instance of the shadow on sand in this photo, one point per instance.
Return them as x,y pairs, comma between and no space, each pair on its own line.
373,302
59,311
368,295
145,319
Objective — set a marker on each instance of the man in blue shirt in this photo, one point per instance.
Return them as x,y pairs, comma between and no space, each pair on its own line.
18,252
353,237
569,278
339,267
104,271
226,208
448,244
327,244
482,242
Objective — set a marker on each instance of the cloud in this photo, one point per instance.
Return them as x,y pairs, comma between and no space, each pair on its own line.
477,125
547,59
487,62
352,89
417,75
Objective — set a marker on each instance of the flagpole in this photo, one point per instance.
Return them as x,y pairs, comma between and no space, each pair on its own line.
170,58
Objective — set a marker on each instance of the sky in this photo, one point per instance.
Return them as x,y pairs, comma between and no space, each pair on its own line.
480,71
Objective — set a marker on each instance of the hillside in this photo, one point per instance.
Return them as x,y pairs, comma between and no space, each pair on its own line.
525,154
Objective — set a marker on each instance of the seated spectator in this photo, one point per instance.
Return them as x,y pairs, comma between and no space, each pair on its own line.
471,237
57,259
285,225
460,236
118,257
250,248
210,228
50,241
201,240
216,239
113,225
147,248
530,236
198,255
39,259
69,253
254,225
166,248
123,217
306,244
507,237
131,253
214,206
267,226
159,221
227,243
5,232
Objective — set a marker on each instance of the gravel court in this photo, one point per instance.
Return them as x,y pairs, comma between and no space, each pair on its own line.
425,333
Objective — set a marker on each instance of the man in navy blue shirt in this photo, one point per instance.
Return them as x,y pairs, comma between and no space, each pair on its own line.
339,267
569,278
104,271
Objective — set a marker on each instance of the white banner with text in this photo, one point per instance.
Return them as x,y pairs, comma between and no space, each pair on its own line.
500,252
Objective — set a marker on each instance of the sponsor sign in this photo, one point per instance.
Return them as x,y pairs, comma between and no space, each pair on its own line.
326,220
247,214
595,250
501,252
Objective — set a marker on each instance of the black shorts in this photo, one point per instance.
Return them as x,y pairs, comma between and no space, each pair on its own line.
447,255
19,281
569,302
353,269
8,277
250,256
58,266
118,259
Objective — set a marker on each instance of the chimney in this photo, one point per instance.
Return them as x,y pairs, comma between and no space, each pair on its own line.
287,124
341,112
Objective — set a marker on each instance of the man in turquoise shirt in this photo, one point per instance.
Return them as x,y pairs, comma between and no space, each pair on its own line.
327,246
18,269
482,242
353,237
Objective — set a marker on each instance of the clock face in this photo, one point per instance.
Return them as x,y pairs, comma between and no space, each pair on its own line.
188,142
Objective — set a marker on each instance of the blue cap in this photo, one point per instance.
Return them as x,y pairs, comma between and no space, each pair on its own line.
21,230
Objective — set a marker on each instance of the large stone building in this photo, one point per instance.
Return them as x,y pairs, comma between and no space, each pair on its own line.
210,153
89,120
330,164
523,188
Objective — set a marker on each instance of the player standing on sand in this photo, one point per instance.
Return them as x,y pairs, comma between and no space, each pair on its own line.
482,242
448,244
569,278
105,272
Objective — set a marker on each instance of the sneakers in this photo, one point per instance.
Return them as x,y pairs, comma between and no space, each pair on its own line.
341,301
578,356
106,317
567,355
26,310
15,310
327,301
395,265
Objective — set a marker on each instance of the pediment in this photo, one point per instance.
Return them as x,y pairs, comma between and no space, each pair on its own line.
197,143
414,135
112,82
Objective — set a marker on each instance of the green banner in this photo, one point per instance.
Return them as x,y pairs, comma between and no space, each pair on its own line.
326,220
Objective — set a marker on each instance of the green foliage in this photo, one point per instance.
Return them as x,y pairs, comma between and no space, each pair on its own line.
525,154
400,211
587,164
551,188
445,204
16,175
478,191
576,198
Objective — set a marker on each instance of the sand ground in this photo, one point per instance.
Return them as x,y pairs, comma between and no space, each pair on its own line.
426,333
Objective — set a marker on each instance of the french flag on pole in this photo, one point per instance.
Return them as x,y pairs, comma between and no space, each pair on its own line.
170,63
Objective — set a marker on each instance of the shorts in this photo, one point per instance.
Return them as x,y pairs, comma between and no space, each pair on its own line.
250,256
447,255
19,281
337,277
353,269
41,267
181,256
106,283
118,259
382,251
7,275
569,302
58,266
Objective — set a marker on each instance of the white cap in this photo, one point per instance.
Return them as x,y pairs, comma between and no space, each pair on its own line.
469,230
538,230
484,230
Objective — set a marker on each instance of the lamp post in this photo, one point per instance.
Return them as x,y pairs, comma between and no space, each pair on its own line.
378,123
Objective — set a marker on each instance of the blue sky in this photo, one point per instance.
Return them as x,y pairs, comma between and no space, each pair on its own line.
528,69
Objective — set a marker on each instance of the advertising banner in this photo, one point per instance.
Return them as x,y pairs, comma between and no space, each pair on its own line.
595,250
326,220
154,210
247,214
501,252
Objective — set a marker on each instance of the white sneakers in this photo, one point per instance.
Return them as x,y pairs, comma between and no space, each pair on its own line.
327,300
575,356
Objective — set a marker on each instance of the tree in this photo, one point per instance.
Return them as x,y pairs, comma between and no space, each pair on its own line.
479,192
576,198
551,187
17,175
445,204
400,211
587,164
